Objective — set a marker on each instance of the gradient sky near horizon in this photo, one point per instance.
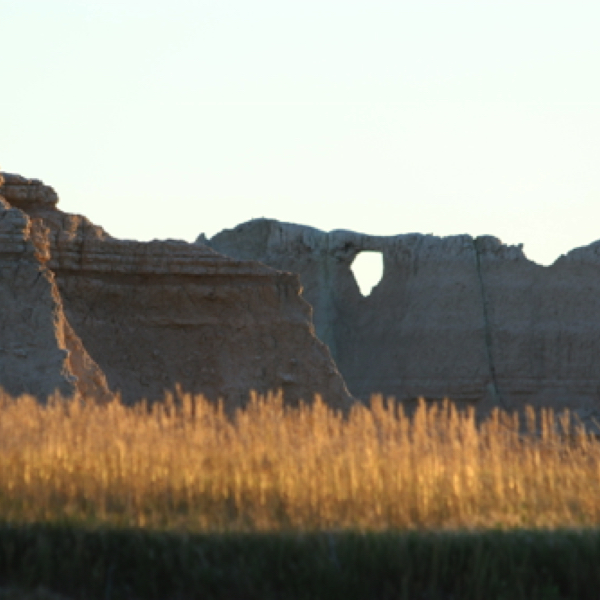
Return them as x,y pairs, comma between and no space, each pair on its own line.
169,119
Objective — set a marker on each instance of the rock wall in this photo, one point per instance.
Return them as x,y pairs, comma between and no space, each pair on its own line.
470,319
39,352
154,315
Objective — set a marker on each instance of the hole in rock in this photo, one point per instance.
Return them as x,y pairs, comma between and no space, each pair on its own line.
368,271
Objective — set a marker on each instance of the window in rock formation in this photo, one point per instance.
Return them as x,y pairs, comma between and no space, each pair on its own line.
368,271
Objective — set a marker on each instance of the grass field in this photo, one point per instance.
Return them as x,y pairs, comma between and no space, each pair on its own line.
186,465
374,492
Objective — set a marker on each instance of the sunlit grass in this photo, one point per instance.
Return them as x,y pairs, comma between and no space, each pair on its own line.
185,465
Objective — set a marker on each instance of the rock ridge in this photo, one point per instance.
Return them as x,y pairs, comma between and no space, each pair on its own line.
461,317
157,315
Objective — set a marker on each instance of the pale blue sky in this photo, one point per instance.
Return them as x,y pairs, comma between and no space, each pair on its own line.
168,119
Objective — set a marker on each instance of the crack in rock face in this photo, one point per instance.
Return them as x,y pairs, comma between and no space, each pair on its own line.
94,315
469,319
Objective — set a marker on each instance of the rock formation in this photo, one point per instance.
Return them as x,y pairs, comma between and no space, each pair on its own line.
460,317
148,316
39,352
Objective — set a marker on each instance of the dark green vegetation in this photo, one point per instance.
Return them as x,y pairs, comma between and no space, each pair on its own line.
103,564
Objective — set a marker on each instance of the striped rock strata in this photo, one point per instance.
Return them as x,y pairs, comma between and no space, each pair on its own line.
154,315
40,353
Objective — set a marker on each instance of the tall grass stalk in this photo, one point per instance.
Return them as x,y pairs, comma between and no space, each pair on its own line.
184,464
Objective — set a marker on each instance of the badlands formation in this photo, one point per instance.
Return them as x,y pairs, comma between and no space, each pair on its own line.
84,313
460,317
466,318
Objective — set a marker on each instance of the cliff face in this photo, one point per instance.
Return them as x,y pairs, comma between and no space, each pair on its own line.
39,352
470,319
153,315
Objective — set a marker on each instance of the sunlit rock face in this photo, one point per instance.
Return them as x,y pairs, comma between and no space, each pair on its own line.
39,352
460,317
152,316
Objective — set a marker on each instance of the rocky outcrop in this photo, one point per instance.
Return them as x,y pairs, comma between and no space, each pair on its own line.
460,317
39,352
160,314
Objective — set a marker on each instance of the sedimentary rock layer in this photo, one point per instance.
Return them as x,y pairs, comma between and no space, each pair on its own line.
154,315
39,352
460,317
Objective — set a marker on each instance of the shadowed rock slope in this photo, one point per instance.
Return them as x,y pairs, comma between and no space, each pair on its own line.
460,317
152,315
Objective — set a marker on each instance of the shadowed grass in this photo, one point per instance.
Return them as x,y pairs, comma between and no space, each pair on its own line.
128,564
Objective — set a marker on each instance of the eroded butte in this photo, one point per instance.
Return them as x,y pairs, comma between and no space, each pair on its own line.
83,312
460,317
466,318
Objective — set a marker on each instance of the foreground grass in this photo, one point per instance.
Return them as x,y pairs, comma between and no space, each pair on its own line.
186,466
179,501
130,564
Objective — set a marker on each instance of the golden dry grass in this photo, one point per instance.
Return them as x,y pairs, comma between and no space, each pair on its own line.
185,465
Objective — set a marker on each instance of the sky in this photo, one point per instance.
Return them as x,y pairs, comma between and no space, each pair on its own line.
169,119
